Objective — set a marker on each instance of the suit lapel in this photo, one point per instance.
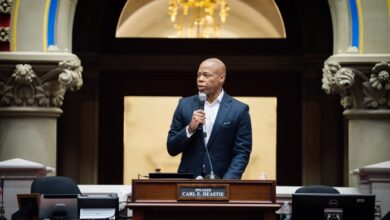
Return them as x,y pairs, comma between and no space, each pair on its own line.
223,110
194,105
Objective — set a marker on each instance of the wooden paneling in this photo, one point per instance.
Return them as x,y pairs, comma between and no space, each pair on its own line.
240,191
157,199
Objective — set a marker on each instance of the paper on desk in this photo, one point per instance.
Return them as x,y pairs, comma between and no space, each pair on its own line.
97,213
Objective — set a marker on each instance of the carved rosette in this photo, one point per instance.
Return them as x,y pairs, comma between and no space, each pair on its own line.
5,6
356,89
4,34
25,88
5,10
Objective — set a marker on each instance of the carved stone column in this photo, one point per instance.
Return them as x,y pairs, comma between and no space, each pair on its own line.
32,89
363,84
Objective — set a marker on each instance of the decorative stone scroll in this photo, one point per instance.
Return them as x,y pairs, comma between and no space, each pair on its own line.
25,88
356,89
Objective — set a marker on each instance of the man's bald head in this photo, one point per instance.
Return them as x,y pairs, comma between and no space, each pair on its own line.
219,65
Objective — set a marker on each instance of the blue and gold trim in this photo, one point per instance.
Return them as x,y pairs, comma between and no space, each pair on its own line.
49,23
354,23
388,9
361,26
357,32
51,26
14,23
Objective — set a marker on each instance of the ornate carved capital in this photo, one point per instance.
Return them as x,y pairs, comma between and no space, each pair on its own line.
358,90
24,87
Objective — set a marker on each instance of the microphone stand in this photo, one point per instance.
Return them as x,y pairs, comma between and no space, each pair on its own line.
211,176
202,99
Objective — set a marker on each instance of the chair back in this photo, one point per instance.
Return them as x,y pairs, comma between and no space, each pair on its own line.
317,189
54,185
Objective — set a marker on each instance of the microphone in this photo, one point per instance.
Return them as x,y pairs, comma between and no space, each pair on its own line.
202,99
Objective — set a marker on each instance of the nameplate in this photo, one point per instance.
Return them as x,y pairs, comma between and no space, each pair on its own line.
207,192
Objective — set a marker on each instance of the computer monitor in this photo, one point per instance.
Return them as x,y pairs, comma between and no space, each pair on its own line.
55,205
320,206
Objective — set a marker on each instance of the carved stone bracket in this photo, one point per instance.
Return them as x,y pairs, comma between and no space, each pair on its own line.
25,88
357,89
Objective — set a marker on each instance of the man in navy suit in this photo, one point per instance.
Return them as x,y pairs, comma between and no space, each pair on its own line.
223,127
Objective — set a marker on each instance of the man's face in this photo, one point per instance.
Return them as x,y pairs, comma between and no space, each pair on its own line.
210,78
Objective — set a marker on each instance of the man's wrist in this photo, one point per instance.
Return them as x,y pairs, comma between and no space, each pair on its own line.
190,130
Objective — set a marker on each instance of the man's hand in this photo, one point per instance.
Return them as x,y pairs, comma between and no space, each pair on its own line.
198,117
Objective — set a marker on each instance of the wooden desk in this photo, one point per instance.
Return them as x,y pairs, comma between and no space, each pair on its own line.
247,199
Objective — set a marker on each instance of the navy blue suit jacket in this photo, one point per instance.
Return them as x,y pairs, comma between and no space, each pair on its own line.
229,145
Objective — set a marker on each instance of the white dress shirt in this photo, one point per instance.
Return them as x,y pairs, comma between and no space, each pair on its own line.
211,111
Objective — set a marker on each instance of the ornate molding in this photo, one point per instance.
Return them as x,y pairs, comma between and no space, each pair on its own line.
4,34
356,89
25,88
5,6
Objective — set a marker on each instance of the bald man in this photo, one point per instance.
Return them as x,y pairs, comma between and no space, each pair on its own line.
220,124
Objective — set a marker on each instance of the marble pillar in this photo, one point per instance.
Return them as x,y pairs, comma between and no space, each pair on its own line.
359,71
363,84
32,89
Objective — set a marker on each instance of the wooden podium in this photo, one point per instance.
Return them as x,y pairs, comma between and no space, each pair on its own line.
170,199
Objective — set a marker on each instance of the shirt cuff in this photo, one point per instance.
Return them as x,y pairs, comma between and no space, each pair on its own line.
187,132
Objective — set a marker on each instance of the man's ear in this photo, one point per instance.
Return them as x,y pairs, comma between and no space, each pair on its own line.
222,78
